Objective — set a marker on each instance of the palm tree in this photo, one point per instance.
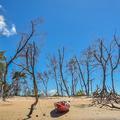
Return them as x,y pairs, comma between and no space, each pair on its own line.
16,77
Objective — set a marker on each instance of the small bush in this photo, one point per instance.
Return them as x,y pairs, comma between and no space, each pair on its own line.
80,93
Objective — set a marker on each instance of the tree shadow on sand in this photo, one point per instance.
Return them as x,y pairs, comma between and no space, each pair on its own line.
54,113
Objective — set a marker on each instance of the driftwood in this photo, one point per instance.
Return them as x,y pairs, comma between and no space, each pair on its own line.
106,99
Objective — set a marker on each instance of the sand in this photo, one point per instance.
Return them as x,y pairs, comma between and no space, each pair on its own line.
18,107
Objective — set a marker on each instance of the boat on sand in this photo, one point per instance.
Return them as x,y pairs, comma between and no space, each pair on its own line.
62,106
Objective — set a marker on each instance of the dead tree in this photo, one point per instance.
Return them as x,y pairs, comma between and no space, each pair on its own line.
61,87
72,68
114,60
44,77
30,54
102,59
31,58
53,65
61,62
88,62
103,97
81,75
25,38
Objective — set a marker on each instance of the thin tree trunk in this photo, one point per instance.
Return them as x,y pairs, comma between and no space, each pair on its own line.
36,97
61,89
61,60
104,79
88,79
56,82
81,74
46,92
73,91
61,72
112,78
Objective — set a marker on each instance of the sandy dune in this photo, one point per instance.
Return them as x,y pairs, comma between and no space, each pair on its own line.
18,107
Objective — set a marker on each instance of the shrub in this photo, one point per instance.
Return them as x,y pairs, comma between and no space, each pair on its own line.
80,93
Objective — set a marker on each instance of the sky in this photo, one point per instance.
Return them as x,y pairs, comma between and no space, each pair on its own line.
74,24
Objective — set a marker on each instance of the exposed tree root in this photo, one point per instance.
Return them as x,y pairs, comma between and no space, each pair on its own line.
106,99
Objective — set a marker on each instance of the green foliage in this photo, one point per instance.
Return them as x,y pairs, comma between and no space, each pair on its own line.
2,57
18,74
2,61
1,82
80,93
2,66
56,95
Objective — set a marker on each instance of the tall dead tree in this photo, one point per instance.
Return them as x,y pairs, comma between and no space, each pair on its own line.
114,59
44,78
25,38
31,59
72,68
53,65
102,59
88,62
61,62
103,56
30,55
81,75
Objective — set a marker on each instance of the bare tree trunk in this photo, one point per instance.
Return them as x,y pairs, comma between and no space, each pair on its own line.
104,79
36,97
114,64
80,82
19,49
91,87
46,91
55,75
61,59
61,89
81,74
53,64
33,53
88,79
112,79
73,89
102,60
61,73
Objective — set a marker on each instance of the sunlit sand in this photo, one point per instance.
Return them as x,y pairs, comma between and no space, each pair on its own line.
18,107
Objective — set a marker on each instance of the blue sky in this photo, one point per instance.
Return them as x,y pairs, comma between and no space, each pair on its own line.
74,24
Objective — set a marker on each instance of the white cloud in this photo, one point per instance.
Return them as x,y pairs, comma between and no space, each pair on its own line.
13,29
52,92
4,29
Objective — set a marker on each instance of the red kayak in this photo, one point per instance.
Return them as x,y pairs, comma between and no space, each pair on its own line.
62,106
